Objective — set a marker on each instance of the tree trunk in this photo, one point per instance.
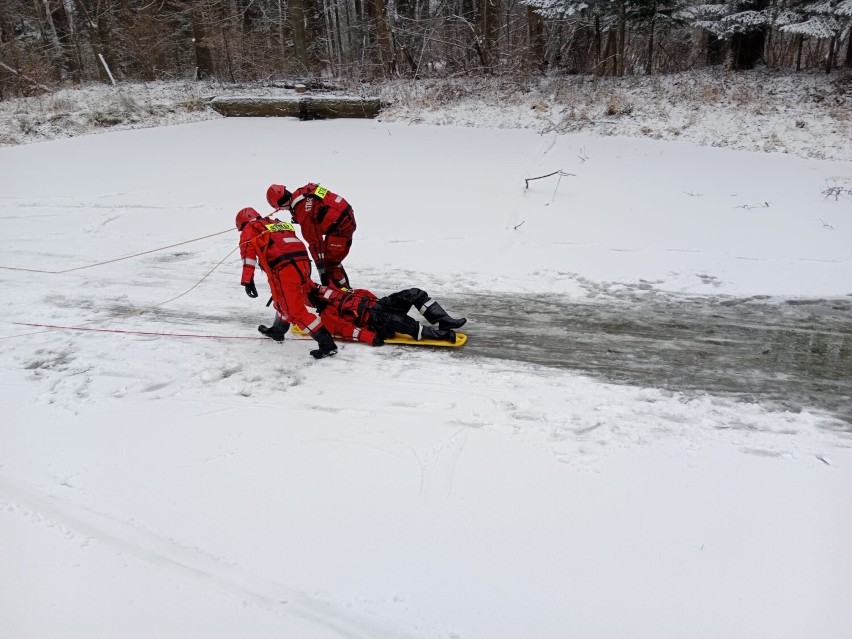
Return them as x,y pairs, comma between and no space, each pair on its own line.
649,63
489,30
105,44
535,29
714,49
351,28
337,31
597,43
42,32
768,53
64,26
75,49
848,62
60,38
800,42
228,56
7,31
328,26
96,27
297,18
282,41
493,35
203,56
608,53
622,33
385,50
315,26
829,58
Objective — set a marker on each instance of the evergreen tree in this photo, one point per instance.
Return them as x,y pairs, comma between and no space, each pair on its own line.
822,19
741,24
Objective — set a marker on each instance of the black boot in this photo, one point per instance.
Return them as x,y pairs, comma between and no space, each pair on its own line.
434,314
427,332
277,331
326,344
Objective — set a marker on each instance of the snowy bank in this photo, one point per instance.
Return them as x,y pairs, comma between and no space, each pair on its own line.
803,114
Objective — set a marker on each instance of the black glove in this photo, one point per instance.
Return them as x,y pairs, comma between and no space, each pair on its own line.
251,289
378,340
324,279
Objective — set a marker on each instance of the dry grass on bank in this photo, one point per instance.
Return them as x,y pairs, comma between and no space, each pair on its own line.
809,115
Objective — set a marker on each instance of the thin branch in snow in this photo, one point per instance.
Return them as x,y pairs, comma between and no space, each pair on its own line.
560,173
556,188
759,205
836,191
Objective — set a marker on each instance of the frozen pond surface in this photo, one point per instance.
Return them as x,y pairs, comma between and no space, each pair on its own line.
787,354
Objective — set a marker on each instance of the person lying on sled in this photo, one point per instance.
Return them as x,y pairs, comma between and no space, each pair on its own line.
388,315
360,315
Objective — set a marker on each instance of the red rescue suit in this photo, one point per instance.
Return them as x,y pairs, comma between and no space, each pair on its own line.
344,327
352,305
327,222
385,317
274,246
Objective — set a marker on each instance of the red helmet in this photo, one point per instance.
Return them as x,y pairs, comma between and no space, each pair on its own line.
278,196
245,216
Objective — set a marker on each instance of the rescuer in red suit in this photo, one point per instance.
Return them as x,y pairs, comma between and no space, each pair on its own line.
273,245
327,223
383,317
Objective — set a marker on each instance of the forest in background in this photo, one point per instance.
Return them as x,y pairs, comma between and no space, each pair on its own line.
47,43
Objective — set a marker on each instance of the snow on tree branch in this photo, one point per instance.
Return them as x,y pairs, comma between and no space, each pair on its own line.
844,9
816,27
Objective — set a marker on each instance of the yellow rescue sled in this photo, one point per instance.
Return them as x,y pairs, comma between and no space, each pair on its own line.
400,338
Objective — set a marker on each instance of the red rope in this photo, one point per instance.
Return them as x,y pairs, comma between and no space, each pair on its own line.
151,333
117,259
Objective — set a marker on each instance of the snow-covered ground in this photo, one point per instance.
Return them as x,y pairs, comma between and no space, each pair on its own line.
226,486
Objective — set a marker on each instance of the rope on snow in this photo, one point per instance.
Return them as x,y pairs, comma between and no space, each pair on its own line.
117,259
148,333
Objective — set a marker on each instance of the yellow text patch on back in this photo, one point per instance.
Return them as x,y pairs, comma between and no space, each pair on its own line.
280,226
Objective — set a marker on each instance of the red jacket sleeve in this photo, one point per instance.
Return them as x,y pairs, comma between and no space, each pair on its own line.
343,328
248,255
330,293
304,215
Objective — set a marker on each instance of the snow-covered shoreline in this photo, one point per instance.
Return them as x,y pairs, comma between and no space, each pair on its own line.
804,114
